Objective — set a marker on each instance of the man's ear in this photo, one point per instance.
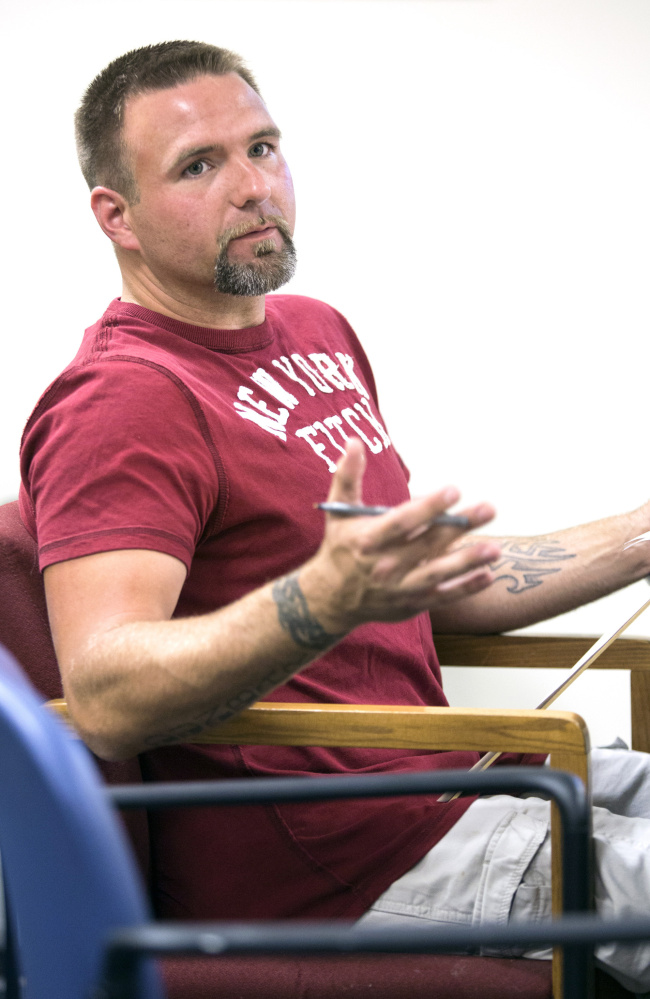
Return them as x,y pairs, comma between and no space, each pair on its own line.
112,212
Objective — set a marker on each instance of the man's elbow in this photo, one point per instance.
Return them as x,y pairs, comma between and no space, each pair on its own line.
105,736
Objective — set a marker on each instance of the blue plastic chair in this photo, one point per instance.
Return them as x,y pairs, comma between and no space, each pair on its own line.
62,851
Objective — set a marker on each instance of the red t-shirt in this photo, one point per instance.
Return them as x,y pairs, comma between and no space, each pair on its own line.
212,446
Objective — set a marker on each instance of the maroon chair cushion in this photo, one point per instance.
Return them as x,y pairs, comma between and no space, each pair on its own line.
24,627
389,976
399,976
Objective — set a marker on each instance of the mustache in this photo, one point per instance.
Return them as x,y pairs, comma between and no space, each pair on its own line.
245,227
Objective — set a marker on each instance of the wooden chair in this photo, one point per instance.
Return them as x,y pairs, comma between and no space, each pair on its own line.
77,904
24,630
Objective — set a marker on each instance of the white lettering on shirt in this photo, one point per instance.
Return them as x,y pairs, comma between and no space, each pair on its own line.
261,414
347,363
319,426
285,365
319,382
268,382
330,370
307,433
326,375
352,418
336,421
366,411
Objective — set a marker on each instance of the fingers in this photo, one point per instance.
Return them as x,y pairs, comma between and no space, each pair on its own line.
454,571
464,586
474,517
347,481
409,535
414,524
410,519
396,564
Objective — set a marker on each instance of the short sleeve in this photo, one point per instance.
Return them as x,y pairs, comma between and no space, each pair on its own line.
115,456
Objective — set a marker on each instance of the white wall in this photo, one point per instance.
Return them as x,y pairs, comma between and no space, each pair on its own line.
473,194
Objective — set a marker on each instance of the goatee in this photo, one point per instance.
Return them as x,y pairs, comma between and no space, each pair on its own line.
267,273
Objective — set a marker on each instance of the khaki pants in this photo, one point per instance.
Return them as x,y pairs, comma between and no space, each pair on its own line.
494,865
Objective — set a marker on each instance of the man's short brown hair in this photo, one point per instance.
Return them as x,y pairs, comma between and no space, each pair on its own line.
100,117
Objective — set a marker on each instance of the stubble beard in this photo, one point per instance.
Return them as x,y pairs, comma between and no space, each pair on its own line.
267,273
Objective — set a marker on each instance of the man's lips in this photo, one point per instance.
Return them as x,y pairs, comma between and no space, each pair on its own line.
264,233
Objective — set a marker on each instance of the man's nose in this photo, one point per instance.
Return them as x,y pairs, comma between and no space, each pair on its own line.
249,183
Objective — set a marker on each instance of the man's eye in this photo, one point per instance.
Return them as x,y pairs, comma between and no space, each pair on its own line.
196,169
260,149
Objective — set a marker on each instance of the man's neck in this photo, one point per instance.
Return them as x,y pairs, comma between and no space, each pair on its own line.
226,312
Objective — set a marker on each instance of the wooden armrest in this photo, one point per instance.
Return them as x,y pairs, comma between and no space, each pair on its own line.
405,727
553,651
563,734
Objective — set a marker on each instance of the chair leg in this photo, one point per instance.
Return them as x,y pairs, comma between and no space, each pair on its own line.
640,702
9,970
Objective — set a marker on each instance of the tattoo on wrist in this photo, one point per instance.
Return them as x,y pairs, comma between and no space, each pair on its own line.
295,617
526,564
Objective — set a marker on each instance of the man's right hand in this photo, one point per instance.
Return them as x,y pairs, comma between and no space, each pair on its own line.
391,567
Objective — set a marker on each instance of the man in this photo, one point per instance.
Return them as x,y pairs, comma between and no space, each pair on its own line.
170,476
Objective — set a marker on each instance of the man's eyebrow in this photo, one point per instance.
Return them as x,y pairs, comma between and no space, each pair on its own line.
271,131
189,154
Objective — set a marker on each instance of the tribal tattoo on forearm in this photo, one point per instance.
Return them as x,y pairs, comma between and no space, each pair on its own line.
221,713
296,618
526,564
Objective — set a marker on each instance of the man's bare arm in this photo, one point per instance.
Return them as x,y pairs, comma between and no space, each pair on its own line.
135,678
539,577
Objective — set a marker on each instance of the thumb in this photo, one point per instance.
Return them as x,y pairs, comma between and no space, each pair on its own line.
348,477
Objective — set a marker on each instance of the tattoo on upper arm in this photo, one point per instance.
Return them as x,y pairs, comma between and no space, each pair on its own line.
526,564
295,617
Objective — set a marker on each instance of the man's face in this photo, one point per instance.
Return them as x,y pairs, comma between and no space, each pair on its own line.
216,206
